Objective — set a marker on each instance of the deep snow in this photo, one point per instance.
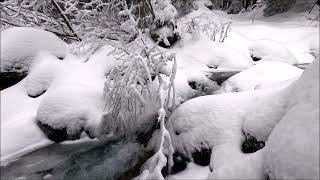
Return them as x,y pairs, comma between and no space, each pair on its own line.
19,46
68,94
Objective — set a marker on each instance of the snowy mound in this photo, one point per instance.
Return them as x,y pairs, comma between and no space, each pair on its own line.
264,73
292,150
275,116
19,45
64,96
75,98
266,48
214,54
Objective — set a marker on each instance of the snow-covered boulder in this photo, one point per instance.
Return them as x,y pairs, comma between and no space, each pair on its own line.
269,48
213,54
19,46
263,74
163,25
74,98
275,116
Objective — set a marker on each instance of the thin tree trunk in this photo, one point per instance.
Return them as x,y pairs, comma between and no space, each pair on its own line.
65,18
151,8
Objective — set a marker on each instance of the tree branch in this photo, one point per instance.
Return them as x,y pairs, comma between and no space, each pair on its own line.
65,18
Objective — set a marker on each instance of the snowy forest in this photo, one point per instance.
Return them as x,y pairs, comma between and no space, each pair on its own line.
160,89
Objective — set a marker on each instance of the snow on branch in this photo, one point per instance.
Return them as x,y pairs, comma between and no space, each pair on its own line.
205,25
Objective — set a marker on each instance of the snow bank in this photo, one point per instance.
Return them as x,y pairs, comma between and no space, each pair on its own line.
273,115
75,99
214,54
64,94
270,48
193,171
292,150
231,163
19,132
213,120
263,74
19,45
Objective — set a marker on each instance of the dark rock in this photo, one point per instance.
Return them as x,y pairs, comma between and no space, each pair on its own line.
255,59
220,76
37,95
251,144
180,162
202,156
146,129
192,84
171,35
8,79
134,171
57,135
204,86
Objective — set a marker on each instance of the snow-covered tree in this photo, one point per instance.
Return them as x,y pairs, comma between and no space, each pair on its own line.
277,6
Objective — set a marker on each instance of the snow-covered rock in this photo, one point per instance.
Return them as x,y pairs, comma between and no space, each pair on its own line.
19,46
264,74
75,98
217,122
214,54
266,48
65,95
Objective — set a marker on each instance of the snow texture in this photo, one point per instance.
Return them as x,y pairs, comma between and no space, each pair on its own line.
19,45
263,74
277,51
277,116
73,99
292,150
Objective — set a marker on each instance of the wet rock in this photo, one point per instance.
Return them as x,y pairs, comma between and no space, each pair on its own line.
180,162
251,144
57,135
202,156
220,76
8,79
255,59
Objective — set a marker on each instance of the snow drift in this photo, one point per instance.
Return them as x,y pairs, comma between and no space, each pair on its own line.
277,116
19,46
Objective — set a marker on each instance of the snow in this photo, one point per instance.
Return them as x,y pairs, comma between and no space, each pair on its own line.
292,150
73,99
277,106
19,45
193,171
212,54
263,74
271,50
216,122
19,133
231,163
165,12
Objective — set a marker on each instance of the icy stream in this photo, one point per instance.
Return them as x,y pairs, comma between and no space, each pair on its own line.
81,160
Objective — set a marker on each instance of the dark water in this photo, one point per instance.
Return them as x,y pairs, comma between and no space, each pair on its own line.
83,160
